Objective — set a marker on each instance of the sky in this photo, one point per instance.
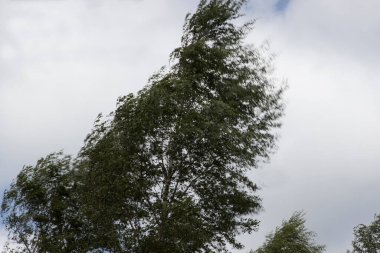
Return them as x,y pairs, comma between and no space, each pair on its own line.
64,61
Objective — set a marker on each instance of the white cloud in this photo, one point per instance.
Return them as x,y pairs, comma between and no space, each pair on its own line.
327,163
66,61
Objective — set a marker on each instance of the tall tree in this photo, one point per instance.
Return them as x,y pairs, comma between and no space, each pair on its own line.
367,237
291,237
169,168
167,171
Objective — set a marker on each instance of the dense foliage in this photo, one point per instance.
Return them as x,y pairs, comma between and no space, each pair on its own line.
167,171
367,237
40,210
291,237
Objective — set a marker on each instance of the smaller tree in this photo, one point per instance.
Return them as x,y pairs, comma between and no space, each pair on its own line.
367,237
40,211
291,237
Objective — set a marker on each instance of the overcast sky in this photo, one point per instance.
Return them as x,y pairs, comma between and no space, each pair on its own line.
64,61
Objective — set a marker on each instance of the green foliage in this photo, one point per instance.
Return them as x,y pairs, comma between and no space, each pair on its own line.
167,172
367,237
171,162
39,208
291,237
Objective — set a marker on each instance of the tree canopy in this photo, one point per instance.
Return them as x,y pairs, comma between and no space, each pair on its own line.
40,210
367,237
291,237
167,171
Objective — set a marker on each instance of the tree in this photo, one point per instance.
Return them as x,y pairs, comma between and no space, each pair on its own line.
291,237
40,211
167,171
171,163
367,237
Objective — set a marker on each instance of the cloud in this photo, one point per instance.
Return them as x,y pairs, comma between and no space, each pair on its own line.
327,163
66,61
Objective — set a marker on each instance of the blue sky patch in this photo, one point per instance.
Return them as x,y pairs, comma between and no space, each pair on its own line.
281,5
